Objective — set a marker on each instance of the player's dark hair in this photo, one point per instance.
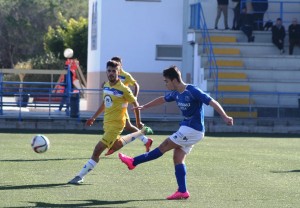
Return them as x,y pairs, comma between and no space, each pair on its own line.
172,73
117,59
112,63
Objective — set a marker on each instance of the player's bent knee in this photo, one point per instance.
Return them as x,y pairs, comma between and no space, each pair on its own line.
166,145
117,145
131,128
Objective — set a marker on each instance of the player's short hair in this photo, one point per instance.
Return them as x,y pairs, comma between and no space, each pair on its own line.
117,59
113,64
172,73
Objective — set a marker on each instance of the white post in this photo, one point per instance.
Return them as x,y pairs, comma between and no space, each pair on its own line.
94,38
198,73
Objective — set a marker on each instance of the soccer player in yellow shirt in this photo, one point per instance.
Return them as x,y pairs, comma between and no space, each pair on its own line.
116,97
128,80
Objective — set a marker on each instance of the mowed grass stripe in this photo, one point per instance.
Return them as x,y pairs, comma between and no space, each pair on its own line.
240,171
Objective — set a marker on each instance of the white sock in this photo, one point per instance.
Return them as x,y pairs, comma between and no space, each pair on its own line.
143,138
130,137
87,168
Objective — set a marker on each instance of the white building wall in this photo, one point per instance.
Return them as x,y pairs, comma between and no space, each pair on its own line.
94,37
132,29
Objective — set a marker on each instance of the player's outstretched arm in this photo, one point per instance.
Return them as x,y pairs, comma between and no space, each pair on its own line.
91,120
155,102
216,105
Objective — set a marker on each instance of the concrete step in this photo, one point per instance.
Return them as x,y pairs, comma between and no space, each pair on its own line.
229,63
268,61
275,75
263,68
245,49
241,114
258,98
261,37
223,39
235,88
255,86
232,75
247,70
227,51
235,101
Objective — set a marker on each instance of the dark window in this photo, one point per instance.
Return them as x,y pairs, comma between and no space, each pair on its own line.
169,52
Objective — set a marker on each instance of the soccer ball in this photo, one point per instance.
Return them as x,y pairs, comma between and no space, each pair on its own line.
40,143
68,53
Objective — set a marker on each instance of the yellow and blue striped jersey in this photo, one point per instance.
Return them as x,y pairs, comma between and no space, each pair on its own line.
126,78
116,99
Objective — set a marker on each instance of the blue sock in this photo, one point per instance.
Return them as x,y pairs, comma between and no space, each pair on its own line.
180,173
152,155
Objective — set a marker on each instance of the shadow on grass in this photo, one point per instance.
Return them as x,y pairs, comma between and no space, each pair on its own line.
35,186
48,159
286,171
89,203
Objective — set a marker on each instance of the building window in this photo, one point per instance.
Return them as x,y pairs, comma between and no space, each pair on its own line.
169,52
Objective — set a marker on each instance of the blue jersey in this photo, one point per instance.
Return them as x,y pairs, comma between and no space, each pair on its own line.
190,102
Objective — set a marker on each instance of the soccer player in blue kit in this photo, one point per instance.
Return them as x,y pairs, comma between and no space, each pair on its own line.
190,101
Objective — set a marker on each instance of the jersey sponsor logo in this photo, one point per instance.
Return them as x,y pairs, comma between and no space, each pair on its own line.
183,106
108,101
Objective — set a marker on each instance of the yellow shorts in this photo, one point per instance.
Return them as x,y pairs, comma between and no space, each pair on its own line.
111,135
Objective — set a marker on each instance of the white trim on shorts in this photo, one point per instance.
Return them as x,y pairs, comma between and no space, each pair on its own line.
186,137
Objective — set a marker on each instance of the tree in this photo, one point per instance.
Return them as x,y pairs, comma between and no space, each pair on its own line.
18,29
24,23
68,34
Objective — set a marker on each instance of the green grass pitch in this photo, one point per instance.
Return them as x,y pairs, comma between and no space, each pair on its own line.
223,171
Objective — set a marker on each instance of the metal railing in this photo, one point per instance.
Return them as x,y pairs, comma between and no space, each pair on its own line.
22,91
198,22
277,104
266,104
13,105
284,9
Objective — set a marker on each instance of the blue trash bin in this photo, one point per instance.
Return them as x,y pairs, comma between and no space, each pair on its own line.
74,105
22,99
